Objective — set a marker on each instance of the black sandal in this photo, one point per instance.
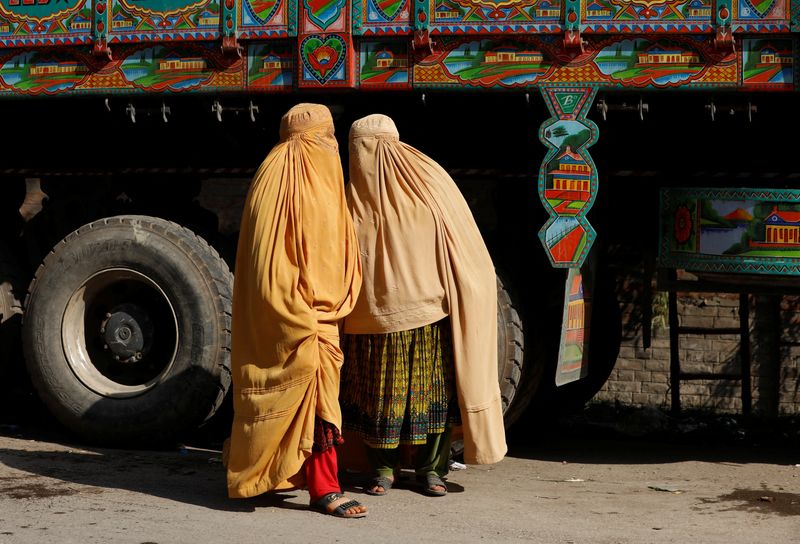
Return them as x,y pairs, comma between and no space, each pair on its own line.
429,481
379,481
321,505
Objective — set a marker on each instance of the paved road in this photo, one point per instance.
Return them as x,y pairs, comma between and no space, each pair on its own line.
561,489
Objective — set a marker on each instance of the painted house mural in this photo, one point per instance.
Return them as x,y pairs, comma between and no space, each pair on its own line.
121,21
447,10
270,66
37,72
767,62
161,68
484,63
569,182
547,10
174,62
81,22
781,229
641,62
384,64
697,9
598,9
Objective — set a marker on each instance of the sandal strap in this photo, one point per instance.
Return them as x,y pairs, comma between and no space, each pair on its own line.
329,498
433,480
382,481
347,505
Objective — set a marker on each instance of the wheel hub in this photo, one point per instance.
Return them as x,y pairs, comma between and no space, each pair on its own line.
127,332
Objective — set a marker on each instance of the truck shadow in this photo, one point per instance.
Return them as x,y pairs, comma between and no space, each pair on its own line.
189,476
643,436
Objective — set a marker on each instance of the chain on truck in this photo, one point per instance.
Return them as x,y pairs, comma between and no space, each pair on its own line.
587,137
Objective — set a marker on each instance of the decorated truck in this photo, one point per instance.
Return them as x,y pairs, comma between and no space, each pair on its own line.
132,127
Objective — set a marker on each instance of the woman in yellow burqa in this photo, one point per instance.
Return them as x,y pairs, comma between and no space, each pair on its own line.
297,275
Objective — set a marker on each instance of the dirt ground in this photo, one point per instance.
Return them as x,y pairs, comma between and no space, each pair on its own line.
585,482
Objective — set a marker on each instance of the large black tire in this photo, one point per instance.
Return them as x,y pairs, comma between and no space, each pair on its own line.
510,355
126,331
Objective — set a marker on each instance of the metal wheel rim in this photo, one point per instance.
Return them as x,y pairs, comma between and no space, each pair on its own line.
73,334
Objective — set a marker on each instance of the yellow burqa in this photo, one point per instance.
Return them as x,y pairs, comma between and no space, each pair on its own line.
297,275
423,259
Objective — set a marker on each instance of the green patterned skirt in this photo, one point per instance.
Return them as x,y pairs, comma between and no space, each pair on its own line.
398,388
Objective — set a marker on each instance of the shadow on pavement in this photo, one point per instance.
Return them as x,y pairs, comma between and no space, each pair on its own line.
194,474
604,434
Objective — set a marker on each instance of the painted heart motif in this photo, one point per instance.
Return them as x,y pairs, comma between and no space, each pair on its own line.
761,7
323,12
322,57
389,8
263,10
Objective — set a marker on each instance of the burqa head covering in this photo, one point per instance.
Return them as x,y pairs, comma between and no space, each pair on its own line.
423,258
297,274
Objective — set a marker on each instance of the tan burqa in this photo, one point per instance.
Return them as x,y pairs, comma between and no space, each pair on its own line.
423,259
297,275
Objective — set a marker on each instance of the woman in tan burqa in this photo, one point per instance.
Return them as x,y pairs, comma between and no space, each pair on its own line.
297,275
421,342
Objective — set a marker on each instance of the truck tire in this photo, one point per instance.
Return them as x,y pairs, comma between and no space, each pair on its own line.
126,331
510,355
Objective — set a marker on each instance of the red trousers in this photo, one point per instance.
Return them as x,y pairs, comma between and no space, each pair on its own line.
321,469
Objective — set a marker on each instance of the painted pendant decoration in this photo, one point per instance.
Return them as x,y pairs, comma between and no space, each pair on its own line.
573,350
567,177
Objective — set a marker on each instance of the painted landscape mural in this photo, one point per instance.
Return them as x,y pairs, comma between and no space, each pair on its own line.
37,72
768,62
162,68
663,63
270,66
752,230
484,63
383,64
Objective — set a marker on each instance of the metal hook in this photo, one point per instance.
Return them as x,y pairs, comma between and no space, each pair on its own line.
423,100
253,110
108,106
216,107
712,109
165,111
131,111
642,109
602,107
